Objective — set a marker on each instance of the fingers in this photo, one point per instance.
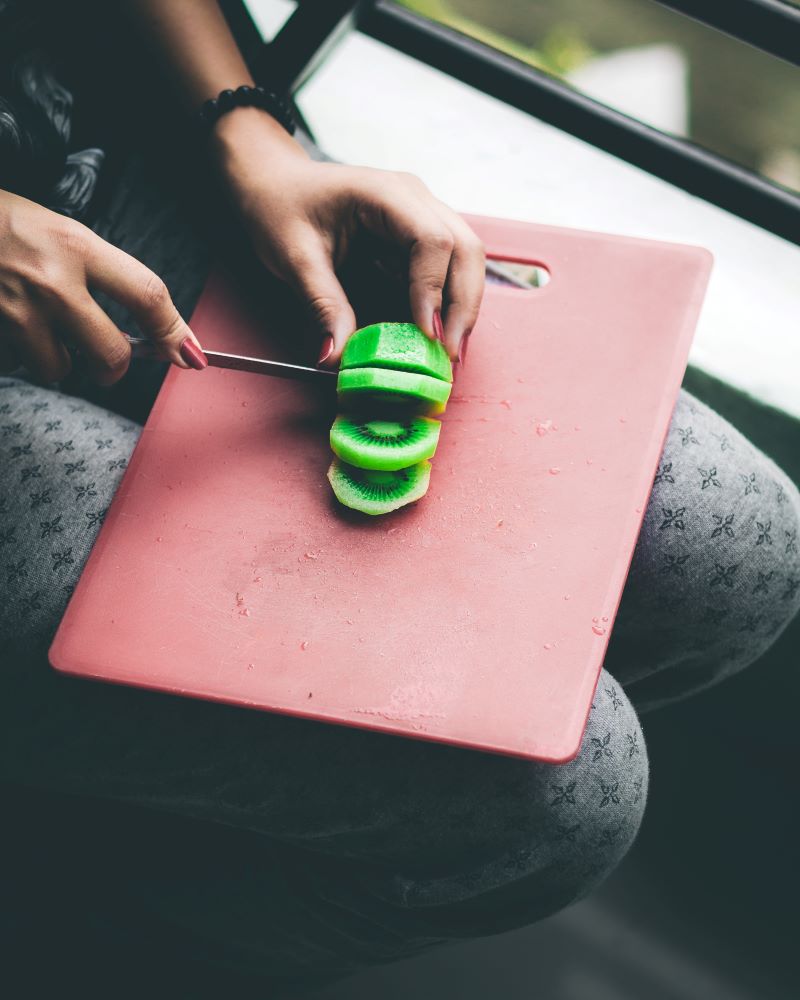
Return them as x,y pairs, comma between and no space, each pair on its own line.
446,259
37,348
406,219
9,358
106,351
309,270
465,283
135,286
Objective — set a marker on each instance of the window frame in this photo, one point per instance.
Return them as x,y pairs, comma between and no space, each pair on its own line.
772,25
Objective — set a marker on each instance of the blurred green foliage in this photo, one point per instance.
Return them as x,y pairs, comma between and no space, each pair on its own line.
742,103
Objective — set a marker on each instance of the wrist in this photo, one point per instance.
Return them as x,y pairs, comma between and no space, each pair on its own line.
233,132
247,134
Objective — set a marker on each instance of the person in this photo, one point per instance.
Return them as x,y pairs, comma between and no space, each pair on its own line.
354,847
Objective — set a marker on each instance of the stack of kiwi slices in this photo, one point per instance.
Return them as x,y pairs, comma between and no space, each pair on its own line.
392,382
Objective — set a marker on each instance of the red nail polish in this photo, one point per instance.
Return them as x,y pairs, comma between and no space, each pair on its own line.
438,329
327,348
192,355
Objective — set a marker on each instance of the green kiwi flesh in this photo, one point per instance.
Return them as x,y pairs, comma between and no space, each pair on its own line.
382,388
401,346
384,444
374,491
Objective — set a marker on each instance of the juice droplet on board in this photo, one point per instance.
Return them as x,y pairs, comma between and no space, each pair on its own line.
548,645
304,644
506,403
245,612
595,620
555,470
605,618
598,630
567,597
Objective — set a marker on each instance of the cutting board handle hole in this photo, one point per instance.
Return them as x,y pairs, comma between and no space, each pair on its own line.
522,276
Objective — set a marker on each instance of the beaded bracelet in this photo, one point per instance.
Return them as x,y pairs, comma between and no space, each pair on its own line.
274,104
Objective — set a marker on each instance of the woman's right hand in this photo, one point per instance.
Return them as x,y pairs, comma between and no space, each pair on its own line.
48,263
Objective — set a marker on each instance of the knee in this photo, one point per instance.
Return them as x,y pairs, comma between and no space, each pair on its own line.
771,576
720,541
595,804
557,830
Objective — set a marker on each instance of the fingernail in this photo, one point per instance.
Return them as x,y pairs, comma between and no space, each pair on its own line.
327,348
192,355
438,329
462,349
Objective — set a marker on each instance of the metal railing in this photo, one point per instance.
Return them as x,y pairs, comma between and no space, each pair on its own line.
771,25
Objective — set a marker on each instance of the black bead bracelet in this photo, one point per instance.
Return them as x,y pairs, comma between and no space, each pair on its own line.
274,104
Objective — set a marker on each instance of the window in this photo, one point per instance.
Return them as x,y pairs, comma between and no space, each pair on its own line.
653,64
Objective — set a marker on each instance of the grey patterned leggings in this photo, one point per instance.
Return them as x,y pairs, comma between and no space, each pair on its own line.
358,847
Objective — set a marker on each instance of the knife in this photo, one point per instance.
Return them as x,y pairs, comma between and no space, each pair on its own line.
142,348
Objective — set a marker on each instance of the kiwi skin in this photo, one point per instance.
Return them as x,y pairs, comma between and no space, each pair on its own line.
401,346
376,492
379,444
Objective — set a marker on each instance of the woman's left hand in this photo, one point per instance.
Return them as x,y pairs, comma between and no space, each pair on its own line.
303,217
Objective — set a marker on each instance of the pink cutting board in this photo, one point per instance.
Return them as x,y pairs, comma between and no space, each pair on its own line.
478,617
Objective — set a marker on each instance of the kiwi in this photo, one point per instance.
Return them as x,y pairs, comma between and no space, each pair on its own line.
401,346
378,491
383,389
384,444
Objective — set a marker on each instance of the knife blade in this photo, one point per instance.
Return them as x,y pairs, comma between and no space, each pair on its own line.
142,348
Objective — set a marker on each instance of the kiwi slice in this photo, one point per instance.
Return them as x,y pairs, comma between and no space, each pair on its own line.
384,388
378,491
402,346
384,444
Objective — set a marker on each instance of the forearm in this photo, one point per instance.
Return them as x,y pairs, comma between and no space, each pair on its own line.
192,42
304,217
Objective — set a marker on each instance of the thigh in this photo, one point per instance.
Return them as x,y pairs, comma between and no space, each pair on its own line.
715,576
60,461
333,789
371,846
537,838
